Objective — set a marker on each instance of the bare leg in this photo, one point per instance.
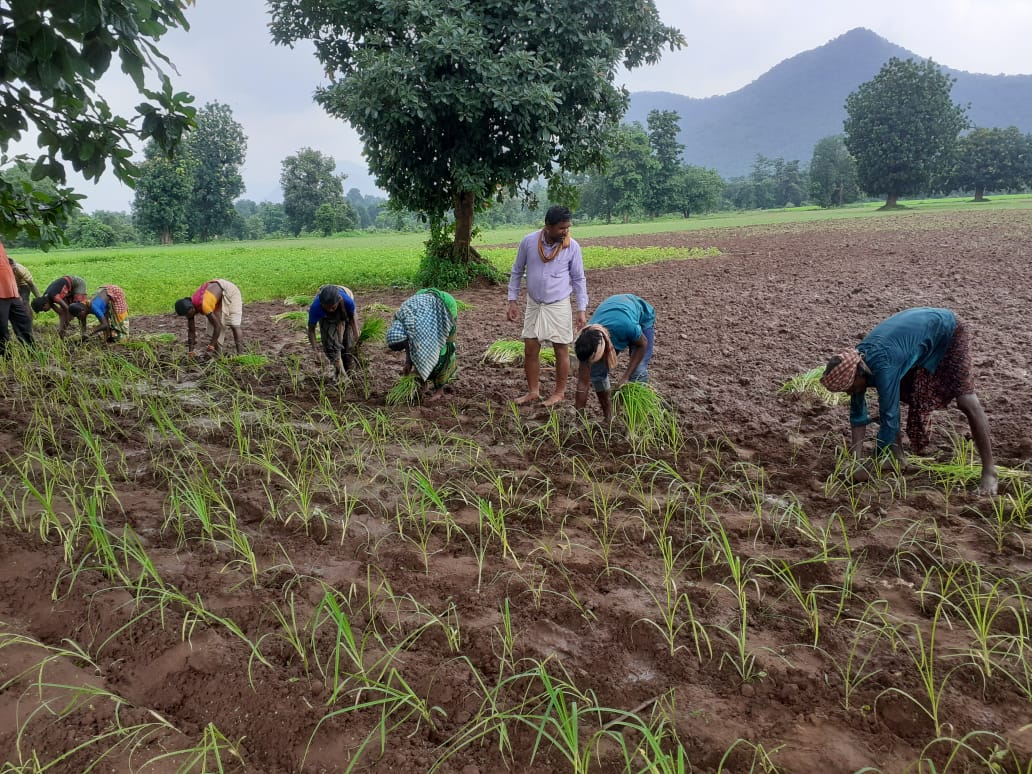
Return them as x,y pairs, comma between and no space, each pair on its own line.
562,373
972,409
532,368
435,395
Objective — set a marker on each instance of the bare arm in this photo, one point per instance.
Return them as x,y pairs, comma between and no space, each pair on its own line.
580,395
637,355
215,318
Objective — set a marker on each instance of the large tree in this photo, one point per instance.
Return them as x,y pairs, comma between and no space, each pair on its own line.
697,189
217,148
833,173
309,180
992,160
162,186
901,127
664,126
457,103
52,55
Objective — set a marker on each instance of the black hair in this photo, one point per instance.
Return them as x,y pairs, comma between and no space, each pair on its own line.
39,303
586,344
398,346
183,306
557,213
329,295
77,310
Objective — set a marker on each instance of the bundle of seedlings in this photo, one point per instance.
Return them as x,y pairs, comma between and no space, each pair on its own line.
644,412
809,383
405,391
509,352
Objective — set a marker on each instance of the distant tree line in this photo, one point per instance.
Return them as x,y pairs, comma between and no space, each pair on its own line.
902,136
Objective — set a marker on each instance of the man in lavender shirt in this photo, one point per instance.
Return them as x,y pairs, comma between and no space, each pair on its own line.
554,268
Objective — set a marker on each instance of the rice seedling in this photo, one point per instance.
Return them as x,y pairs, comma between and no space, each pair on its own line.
981,602
214,752
742,658
297,301
922,655
404,392
857,667
675,609
760,760
807,598
809,383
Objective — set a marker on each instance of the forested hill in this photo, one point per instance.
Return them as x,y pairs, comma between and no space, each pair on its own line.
784,112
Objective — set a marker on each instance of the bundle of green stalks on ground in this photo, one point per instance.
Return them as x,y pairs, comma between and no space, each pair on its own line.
809,383
298,317
509,352
373,329
405,391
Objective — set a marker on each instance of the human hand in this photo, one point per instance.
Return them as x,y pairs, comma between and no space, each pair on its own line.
212,348
513,312
580,319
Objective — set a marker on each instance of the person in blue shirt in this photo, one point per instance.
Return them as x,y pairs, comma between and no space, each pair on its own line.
621,322
921,357
333,310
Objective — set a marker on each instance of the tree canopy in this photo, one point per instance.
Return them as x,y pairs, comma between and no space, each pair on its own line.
217,148
901,127
52,54
459,102
993,160
833,173
309,180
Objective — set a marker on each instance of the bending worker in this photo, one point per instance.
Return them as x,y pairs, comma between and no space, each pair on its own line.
621,322
333,310
424,327
920,357
220,301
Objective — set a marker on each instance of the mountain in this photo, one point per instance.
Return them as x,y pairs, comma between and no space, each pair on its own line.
789,108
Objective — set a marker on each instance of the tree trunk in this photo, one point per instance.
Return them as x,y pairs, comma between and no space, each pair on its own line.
890,200
463,202
166,236
979,193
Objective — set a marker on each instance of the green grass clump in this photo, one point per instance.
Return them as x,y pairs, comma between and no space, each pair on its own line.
298,300
510,352
378,309
809,383
160,338
405,391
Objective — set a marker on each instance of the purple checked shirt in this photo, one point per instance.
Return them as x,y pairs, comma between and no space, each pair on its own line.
552,281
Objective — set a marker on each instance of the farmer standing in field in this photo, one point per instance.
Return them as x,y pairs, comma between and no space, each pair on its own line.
919,356
59,294
12,310
26,284
333,310
621,322
554,267
424,328
220,301
108,305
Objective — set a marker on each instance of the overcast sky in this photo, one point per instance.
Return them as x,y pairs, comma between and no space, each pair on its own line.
227,56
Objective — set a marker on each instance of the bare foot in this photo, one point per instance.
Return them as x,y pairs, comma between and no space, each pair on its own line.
556,397
523,400
434,396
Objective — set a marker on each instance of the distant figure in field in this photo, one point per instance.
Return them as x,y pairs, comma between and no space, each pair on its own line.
621,322
554,267
26,285
920,357
333,310
424,328
220,301
12,310
59,294
108,305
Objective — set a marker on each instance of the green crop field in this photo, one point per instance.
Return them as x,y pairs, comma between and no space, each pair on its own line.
154,276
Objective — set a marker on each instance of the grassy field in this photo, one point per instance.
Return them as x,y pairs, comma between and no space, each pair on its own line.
154,276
